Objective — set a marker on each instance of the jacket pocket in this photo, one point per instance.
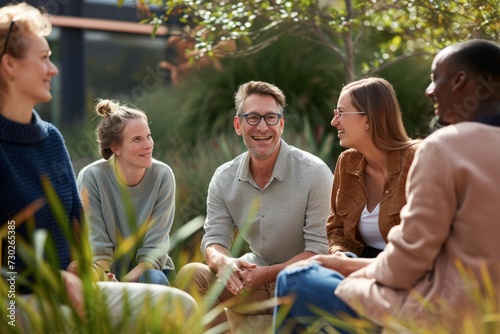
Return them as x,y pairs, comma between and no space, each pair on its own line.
344,203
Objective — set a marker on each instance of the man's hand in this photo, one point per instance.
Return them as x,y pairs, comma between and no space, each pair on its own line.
256,276
227,268
229,271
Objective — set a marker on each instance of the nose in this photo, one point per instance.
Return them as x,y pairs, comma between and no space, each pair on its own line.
335,121
150,142
429,91
53,70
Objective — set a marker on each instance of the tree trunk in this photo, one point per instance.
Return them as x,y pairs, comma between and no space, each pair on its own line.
349,45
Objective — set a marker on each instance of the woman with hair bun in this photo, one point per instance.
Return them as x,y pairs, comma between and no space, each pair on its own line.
33,150
128,193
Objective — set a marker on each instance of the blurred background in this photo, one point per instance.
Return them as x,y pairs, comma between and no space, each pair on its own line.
102,51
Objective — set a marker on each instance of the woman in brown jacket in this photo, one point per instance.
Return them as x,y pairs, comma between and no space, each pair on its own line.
369,183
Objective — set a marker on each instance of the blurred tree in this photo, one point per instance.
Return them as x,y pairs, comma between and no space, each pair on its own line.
344,27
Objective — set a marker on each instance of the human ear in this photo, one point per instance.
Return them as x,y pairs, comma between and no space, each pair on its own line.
237,125
459,80
115,149
7,66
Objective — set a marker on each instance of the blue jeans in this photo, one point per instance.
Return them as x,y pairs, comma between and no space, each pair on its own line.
153,276
316,306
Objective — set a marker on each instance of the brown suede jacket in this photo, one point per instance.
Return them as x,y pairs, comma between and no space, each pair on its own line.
349,197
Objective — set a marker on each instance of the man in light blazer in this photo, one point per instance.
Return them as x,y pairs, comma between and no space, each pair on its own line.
445,252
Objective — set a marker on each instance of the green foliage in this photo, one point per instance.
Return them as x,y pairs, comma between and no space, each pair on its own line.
48,309
192,124
344,27
306,48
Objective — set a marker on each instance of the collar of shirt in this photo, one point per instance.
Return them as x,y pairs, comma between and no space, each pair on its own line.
279,167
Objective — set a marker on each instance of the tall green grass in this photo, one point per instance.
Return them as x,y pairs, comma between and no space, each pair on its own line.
48,309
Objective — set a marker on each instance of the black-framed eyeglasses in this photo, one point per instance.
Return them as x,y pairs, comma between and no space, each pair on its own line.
254,118
8,37
337,112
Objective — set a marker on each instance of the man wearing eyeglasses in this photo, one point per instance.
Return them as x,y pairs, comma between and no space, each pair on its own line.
276,195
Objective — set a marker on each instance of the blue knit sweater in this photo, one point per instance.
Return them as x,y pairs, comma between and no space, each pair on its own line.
28,151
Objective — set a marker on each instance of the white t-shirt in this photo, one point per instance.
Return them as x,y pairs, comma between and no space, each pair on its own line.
369,230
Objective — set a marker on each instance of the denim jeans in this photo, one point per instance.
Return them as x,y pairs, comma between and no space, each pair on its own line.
153,276
313,287
368,252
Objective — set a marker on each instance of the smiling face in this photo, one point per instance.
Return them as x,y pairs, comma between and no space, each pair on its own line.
262,140
136,148
352,129
448,89
440,88
33,72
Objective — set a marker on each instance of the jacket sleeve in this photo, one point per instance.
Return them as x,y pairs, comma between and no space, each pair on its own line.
334,227
426,222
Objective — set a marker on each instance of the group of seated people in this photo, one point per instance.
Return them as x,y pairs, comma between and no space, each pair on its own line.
401,235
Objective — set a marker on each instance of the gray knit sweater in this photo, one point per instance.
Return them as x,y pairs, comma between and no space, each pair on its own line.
106,201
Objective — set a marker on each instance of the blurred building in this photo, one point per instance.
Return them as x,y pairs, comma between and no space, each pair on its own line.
102,51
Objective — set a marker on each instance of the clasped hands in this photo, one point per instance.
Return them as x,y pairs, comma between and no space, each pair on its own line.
99,273
238,275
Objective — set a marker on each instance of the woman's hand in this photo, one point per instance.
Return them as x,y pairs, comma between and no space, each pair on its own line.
73,267
74,290
303,263
340,262
111,277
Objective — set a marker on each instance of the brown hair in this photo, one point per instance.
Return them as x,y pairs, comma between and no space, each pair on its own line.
110,128
377,98
260,88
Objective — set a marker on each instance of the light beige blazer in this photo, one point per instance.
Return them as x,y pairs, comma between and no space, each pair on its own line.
451,221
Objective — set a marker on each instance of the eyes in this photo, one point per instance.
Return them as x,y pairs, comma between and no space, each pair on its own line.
46,55
254,118
139,138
